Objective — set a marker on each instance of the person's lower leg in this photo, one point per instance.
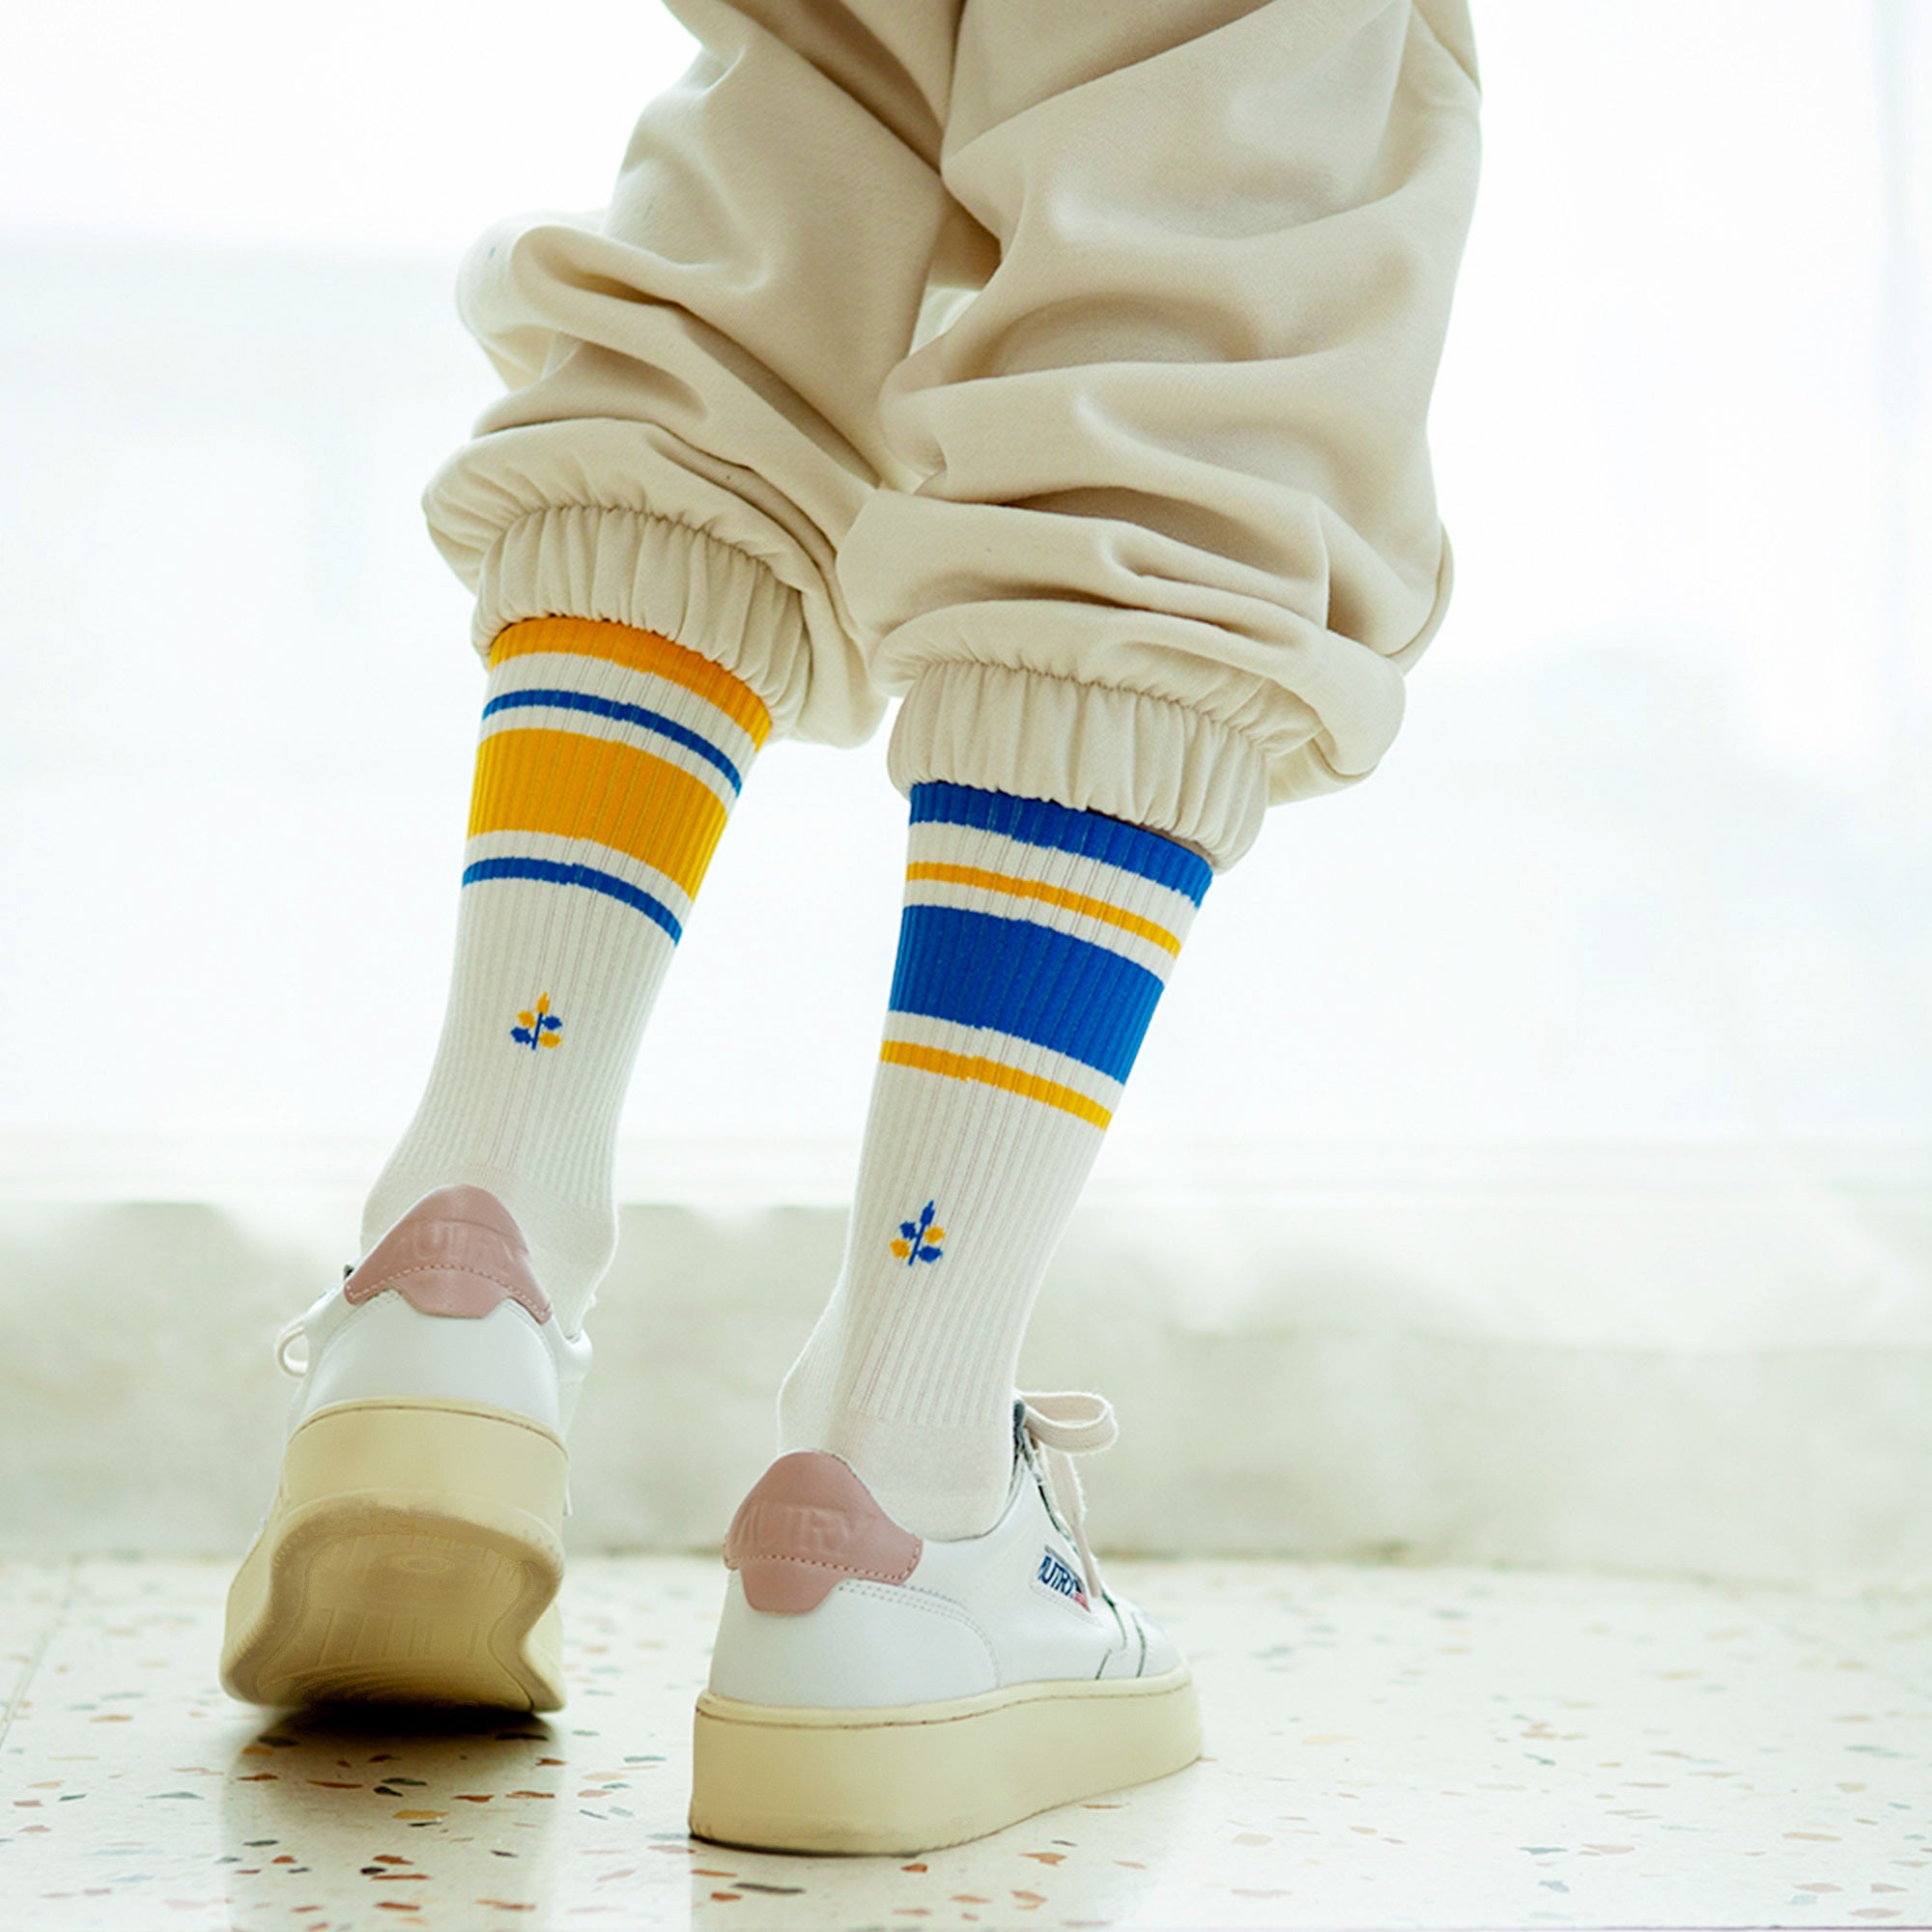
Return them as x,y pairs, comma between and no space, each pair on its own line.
608,763
1034,943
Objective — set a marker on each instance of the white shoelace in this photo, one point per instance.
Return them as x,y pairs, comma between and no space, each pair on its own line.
296,1329
292,1331
1063,1424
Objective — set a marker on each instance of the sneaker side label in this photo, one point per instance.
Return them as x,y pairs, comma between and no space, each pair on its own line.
1058,1579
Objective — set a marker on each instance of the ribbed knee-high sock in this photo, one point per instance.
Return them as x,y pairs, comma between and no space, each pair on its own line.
608,761
1034,943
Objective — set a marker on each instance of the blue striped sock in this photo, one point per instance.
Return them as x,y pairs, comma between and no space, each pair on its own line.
1033,946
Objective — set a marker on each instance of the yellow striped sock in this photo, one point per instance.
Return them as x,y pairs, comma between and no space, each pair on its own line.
619,743
608,760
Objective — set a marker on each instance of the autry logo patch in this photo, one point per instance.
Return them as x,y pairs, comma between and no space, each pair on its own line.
1056,1577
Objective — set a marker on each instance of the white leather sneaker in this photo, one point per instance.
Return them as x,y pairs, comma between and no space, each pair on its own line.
413,1550
872,1691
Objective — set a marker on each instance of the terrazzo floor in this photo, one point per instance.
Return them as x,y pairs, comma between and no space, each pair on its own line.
1386,1747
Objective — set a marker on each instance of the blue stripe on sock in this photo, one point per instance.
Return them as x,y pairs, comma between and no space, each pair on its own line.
553,873
629,714
1038,821
1062,993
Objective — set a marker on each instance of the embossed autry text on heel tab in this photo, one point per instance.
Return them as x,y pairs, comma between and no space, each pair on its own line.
458,1251
808,1524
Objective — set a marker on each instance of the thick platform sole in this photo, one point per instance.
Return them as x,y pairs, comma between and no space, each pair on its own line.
917,1776
412,1556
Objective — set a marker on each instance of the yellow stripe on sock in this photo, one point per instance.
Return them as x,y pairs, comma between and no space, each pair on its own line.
993,1073
1032,889
638,650
601,789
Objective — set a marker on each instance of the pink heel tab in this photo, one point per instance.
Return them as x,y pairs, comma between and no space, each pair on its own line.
808,1523
458,1251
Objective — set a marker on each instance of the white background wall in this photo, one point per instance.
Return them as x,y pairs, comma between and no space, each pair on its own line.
1642,895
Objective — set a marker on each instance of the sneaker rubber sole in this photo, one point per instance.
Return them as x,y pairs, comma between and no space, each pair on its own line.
914,1777
412,1556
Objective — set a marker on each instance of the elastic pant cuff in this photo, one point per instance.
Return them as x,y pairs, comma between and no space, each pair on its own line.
1149,760
654,574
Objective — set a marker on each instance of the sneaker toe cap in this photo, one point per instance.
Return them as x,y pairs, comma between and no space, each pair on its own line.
1150,1652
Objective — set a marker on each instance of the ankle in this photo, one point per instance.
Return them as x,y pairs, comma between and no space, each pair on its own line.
943,1483
571,1243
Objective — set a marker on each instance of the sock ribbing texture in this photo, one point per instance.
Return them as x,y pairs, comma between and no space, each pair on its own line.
607,763
1034,943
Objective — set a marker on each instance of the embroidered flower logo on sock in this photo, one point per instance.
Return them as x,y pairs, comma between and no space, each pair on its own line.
539,1027
919,1241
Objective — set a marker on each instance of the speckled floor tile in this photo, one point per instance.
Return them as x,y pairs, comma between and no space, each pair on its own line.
1387,1748
32,1596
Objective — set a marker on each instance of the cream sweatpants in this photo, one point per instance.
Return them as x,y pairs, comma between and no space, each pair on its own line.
1059,366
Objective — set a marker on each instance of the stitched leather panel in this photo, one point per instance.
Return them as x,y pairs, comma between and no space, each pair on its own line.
807,1524
456,1252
